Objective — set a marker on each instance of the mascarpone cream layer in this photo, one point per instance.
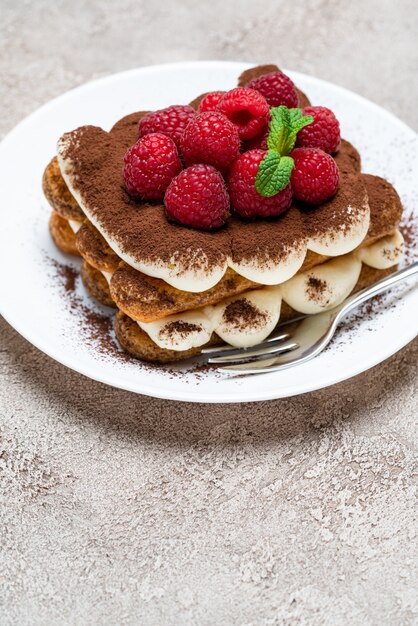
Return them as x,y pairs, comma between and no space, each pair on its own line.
315,290
350,238
108,276
201,276
385,253
75,226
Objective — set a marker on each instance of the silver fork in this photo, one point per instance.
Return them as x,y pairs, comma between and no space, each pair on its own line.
300,339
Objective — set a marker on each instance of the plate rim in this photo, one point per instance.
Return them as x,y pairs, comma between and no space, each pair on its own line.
115,380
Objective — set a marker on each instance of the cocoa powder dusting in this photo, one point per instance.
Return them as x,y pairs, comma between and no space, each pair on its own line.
255,72
266,240
242,313
385,205
126,129
347,158
96,328
180,329
409,230
338,214
67,274
316,288
392,254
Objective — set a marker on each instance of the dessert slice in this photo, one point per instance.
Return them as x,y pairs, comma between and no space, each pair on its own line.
269,218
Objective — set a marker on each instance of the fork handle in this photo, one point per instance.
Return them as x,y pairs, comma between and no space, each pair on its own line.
379,287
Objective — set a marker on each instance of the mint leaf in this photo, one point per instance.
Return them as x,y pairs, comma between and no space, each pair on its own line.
273,174
298,120
284,126
278,130
275,169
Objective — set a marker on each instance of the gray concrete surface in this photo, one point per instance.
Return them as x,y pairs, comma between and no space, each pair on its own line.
119,509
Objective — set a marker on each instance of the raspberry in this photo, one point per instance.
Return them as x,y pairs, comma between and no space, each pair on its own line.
198,197
323,132
315,176
277,89
247,109
170,121
210,101
210,138
245,199
258,143
150,165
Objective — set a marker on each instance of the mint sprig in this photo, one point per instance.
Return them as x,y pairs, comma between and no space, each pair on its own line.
275,169
273,173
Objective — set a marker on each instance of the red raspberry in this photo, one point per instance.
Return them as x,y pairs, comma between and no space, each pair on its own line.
245,198
247,109
277,89
210,101
315,176
150,165
258,143
210,138
198,197
323,133
170,121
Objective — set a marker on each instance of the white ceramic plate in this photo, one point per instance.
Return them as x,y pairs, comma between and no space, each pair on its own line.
67,325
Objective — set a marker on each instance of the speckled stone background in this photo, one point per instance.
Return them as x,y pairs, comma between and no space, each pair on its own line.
121,509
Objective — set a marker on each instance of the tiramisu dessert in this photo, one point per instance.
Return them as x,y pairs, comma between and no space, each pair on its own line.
210,222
